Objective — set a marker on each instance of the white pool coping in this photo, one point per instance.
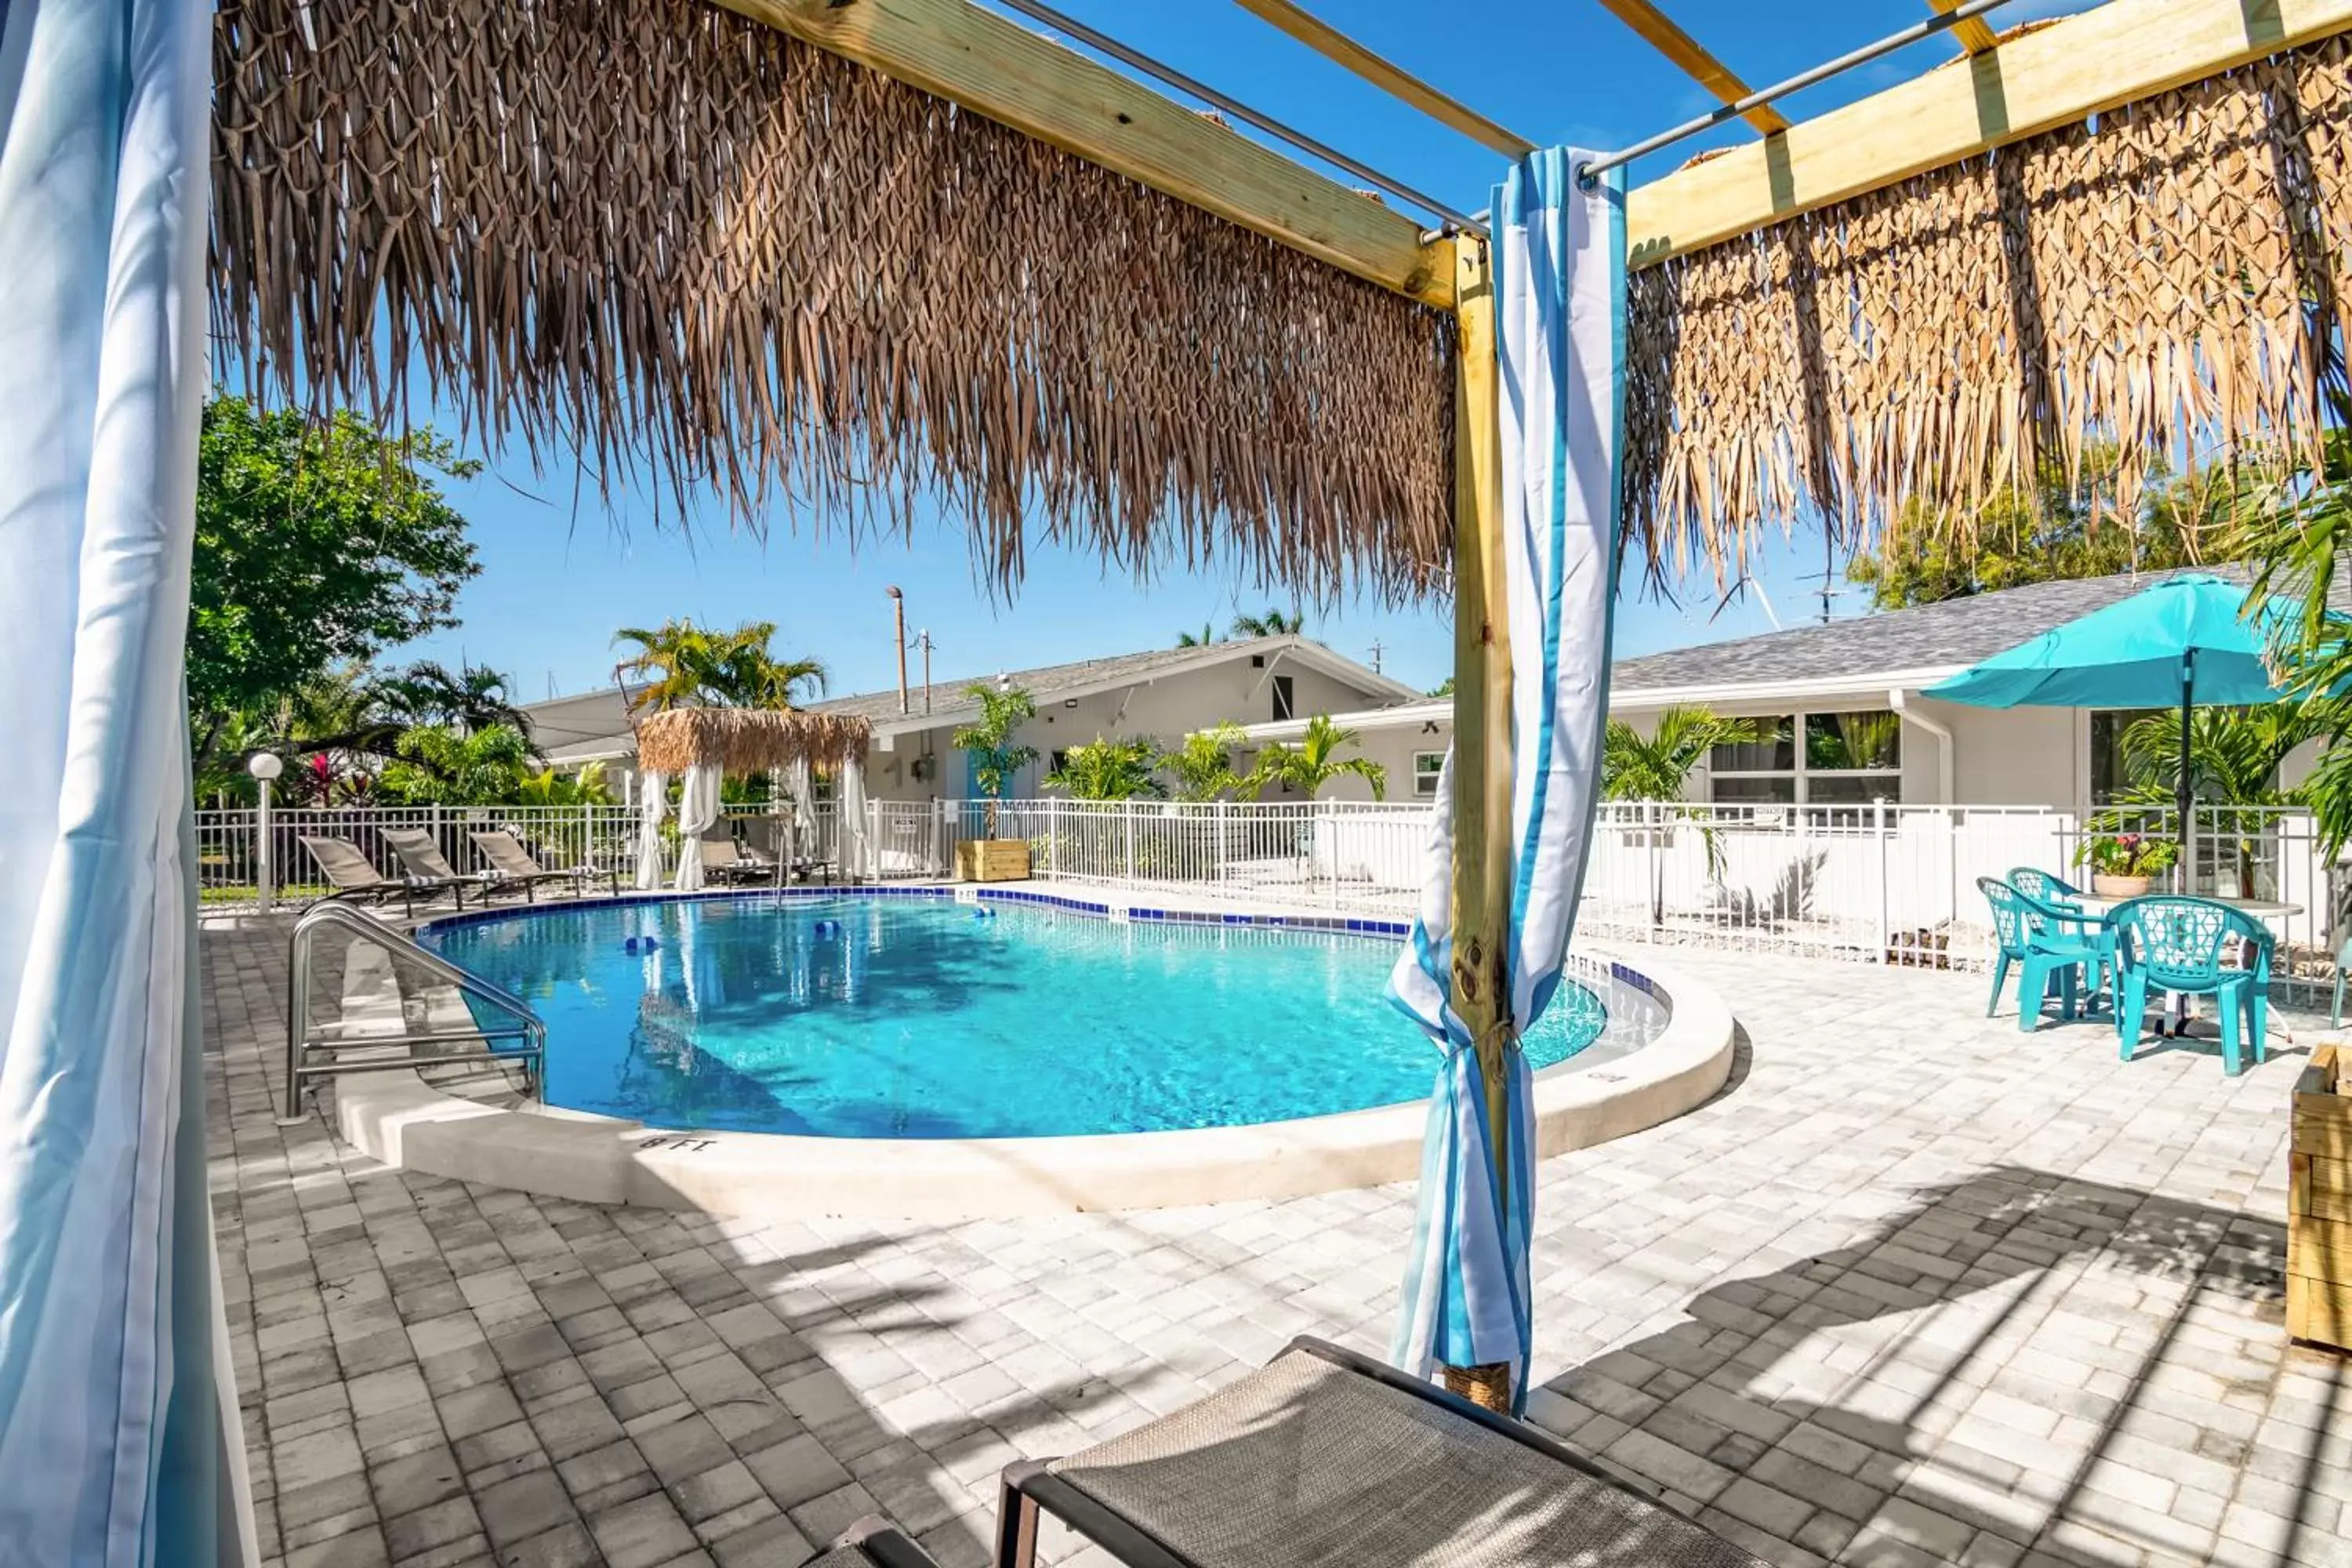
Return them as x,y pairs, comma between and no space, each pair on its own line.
397,1117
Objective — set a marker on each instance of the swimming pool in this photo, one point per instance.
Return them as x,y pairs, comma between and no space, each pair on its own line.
934,1018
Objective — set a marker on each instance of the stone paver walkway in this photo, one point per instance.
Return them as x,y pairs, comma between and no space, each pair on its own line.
1916,1288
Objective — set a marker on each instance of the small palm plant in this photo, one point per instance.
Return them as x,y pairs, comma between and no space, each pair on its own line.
2234,755
1110,770
1657,767
989,741
1316,762
1202,766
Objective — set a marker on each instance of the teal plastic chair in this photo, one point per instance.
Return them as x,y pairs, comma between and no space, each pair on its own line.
2030,935
2335,1008
2056,894
2171,943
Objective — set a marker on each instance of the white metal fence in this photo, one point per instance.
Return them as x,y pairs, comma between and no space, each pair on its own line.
1873,883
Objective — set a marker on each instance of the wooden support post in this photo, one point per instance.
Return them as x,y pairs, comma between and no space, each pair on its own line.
1482,726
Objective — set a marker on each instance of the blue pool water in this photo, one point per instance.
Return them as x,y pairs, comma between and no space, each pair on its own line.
918,1018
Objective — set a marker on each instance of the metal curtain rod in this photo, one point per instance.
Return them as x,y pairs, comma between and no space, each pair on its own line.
1239,110
1942,23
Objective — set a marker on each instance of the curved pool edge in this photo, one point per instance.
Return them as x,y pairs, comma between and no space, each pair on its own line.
398,1118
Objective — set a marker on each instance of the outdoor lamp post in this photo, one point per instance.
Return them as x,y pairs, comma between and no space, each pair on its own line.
265,767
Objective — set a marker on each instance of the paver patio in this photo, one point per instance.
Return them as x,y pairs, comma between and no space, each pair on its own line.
1916,1288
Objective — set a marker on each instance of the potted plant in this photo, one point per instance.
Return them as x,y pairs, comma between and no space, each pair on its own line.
2123,864
996,756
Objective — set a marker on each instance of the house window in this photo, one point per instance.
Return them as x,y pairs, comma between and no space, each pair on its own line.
1057,762
1282,697
1762,772
2111,775
1851,758
1426,767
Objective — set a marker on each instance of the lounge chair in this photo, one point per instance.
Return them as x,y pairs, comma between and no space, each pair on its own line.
427,867
354,875
511,866
1324,1459
727,860
871,1542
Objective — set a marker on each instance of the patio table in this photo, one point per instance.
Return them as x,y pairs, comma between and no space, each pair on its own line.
2176,1018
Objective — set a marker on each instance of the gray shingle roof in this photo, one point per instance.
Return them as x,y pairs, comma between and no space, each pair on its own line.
1956,632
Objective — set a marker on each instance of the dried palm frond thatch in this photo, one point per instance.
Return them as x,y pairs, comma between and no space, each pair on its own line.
710,258
2166,279
749,740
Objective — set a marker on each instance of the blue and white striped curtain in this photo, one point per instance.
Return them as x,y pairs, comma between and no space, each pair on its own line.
1559,254
117,1446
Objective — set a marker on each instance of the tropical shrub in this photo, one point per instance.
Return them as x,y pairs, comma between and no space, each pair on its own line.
1316,762
989,742
1202,766
1110,770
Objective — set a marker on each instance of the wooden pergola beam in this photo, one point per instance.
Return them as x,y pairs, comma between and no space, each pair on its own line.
1336,45
1976,33
977,59
2101,59
1658,30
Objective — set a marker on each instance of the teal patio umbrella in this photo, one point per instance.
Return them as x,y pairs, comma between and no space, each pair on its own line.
2189,638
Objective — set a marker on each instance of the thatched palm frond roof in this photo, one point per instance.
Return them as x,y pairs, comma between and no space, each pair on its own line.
749,739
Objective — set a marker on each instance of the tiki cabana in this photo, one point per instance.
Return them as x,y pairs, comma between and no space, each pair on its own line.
841,260
699,746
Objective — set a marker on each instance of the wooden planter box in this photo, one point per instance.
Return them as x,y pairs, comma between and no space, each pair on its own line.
2319,1205
992,860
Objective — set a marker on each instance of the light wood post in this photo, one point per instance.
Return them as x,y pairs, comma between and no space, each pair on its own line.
1481,727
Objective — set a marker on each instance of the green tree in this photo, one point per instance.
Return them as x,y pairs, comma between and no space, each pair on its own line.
317,542
439,765
2054,530
549,787
1202,638
1316,762
1203,765
1110,770
2234,755
472,697
990,742
687,665
1443,688
1272,624
1658,766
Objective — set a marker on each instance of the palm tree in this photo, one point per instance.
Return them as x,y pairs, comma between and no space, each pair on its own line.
1272,624
1657,767
691,665
441,765
1208,634
1203,764
1110,770
2234,761
989,742
473,697
1315,762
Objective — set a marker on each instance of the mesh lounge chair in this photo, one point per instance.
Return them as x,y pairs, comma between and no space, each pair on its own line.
511,866
724,859
871,1542
354,875
1326,1459
427,867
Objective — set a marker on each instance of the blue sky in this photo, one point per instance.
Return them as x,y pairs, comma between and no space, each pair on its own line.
556,580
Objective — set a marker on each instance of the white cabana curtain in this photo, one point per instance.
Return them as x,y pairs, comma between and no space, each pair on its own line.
697,812
857,849
118,1443
800,818
1559,254
653,804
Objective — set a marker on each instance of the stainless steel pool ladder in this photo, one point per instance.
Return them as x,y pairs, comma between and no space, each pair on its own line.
301,1045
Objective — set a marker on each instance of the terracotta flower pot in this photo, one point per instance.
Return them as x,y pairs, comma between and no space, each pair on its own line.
2109,886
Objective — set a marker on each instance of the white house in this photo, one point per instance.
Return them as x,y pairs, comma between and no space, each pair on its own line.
1165,694
1847,723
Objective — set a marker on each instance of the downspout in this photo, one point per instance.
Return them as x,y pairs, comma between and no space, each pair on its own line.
1896,699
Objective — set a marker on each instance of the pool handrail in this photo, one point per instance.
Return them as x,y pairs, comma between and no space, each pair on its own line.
526,1024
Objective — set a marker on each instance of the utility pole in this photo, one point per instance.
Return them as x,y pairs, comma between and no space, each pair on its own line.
1377,650
898,607
923,641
